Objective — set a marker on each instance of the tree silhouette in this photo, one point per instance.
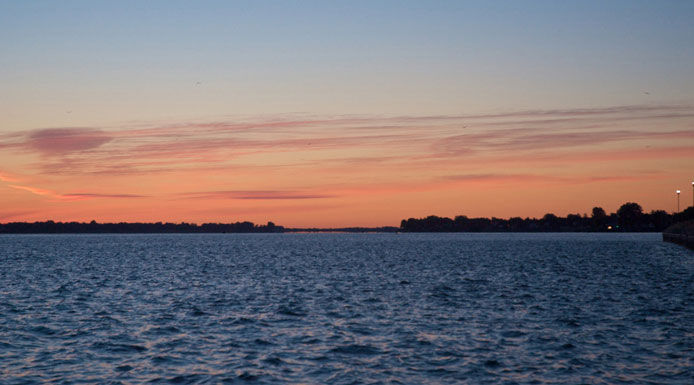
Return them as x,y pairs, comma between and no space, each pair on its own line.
598,218
629,216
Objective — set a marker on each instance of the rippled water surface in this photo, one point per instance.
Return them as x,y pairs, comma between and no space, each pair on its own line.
346,309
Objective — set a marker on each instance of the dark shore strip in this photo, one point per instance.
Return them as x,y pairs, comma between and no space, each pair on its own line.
51,227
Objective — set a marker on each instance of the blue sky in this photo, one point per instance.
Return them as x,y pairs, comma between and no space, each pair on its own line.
344,57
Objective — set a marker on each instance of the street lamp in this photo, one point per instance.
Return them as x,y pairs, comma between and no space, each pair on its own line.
692,193
678,200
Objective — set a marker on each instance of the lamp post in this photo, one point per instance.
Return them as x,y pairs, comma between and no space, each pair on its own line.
678,200
692,193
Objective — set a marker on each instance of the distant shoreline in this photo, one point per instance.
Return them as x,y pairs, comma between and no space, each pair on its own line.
630,218
50,227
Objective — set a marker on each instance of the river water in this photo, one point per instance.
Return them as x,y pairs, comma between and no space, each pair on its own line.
346,309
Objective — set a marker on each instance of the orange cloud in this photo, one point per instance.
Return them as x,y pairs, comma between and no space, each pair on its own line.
4,177
36,191
71,196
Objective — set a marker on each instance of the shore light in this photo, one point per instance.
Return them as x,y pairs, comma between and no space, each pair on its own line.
678,200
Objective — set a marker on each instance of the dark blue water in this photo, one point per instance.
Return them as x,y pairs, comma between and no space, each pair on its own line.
346,309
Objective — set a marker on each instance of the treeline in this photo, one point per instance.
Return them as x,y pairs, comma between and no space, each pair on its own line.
630,217
50,227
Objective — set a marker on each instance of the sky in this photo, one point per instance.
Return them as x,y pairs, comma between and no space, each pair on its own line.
332,114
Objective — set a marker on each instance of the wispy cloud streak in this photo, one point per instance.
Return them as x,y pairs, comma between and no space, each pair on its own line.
533,178
255,195
72,196
189,145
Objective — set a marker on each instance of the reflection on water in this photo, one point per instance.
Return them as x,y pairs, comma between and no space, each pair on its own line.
343,309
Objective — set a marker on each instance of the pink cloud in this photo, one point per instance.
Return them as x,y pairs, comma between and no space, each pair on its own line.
60,141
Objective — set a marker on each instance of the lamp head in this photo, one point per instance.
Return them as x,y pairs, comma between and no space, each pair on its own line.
678,191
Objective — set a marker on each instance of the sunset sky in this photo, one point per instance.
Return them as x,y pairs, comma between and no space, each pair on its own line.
353,113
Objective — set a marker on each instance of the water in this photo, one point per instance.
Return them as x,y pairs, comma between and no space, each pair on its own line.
346,309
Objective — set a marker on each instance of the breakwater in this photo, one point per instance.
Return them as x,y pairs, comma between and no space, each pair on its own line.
681,234
680,239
